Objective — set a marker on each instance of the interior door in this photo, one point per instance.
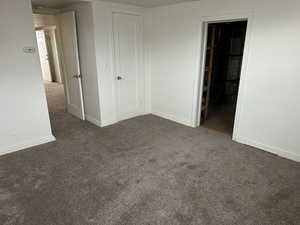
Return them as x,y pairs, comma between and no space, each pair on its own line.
72,75
50,54
44,57
129,78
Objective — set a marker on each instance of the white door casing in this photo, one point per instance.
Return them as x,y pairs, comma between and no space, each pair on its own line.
198,90
127,34
72,78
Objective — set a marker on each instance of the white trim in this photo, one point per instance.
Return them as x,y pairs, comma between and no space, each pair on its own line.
275,150
243,78
26,144
93,120
200,70
198,88
184,121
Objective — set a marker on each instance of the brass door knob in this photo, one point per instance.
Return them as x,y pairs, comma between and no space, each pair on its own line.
77,76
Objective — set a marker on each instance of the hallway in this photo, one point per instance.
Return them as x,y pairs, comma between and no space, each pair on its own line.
55,97
142,171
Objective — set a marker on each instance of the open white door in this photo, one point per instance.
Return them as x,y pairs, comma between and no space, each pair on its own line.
72,75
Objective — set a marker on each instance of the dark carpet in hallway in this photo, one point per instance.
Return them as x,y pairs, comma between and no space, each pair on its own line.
144,171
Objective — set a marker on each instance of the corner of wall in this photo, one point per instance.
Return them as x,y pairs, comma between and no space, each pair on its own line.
26,144
183,121
93,120
268,148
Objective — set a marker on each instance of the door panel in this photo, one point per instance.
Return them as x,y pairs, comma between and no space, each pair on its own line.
50,54
44,57
71,65
127,45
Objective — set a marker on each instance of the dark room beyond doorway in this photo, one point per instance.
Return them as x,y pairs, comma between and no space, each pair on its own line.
224,55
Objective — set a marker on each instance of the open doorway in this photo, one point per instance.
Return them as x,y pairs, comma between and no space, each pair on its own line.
51,68
59,57
223,63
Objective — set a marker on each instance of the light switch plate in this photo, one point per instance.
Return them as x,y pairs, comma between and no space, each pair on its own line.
29,50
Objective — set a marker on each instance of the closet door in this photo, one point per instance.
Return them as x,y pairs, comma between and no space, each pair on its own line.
128,69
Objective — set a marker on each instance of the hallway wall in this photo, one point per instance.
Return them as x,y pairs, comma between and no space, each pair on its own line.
24,115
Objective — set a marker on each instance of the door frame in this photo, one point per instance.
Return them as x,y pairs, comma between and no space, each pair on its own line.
204,21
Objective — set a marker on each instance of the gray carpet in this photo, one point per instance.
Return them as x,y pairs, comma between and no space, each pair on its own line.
144,171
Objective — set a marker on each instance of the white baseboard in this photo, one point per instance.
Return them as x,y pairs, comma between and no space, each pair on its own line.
93,120
277,151
26,144
176,119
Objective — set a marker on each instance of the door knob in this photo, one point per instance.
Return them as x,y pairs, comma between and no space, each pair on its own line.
119,78
77,76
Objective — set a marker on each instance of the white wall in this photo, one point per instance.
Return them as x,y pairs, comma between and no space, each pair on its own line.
87,58
43,20
102,15
45,10
24,115
270,106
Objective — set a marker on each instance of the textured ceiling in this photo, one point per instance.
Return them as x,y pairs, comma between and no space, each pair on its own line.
143,3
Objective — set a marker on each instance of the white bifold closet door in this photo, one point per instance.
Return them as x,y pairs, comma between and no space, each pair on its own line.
127,34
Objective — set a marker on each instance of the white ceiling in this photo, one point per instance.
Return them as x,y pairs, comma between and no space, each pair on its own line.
143,3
